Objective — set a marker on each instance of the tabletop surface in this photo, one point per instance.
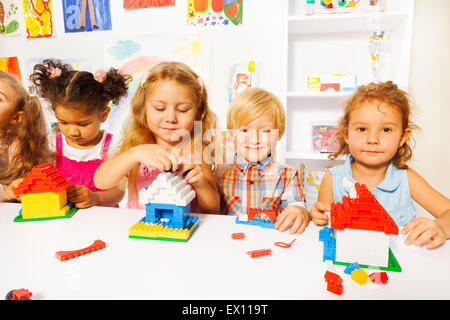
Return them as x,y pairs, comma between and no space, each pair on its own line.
211,265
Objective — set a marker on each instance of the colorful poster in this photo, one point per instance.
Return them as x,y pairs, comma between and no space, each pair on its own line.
242,76
139,4
136,55
323,138
11,65
38,18
214,12
86,15
9,17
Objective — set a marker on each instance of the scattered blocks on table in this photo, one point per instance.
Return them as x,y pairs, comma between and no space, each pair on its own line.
360,276
66,255
237,235
334,283
349,269
379,277
259,253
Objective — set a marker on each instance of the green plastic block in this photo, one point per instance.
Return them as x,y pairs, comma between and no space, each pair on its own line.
69,214
393,264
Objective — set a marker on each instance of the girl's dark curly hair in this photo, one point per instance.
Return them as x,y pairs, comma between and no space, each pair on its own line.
61,85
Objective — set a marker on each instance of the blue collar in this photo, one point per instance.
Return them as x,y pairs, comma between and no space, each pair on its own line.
391,180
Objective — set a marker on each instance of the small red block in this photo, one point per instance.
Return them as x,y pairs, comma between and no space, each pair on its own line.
238,235
259,253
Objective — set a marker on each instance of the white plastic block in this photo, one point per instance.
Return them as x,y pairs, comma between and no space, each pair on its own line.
362,246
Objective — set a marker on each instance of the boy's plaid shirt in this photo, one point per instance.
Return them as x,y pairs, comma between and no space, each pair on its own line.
265,185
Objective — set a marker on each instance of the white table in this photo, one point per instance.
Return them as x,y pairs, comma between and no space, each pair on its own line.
209,266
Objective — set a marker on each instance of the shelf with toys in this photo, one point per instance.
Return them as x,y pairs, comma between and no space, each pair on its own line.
330,48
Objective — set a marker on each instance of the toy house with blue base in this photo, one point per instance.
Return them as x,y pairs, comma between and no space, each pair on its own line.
359,232
167,206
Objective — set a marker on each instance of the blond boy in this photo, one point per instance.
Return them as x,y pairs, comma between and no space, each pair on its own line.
254,180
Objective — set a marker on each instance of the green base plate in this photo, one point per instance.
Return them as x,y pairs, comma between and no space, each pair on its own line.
393,264
69,214
169,239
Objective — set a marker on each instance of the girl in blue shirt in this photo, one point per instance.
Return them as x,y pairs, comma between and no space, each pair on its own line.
375,133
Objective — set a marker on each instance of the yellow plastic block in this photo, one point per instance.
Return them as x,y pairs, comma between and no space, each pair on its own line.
45,204
360,276
141,229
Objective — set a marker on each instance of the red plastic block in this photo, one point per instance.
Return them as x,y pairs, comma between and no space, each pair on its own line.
283,244
259,253
379,277
334,283
66,255
238,235
19,294
364,212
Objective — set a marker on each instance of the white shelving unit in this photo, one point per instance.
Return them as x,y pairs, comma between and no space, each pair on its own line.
325,44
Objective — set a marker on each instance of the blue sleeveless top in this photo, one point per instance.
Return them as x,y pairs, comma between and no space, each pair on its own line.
392,192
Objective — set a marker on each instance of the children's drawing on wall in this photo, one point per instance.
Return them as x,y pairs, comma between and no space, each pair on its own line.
214,12
10,65
242,76
323,139
9,17
86,15
139,4
137,55
38,18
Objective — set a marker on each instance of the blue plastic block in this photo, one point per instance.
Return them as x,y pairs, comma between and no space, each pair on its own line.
326,235
176,214
351,267
263,223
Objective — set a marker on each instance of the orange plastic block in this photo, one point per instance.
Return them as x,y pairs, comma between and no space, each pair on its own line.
379,277
334,283
259,253
238,235
66,255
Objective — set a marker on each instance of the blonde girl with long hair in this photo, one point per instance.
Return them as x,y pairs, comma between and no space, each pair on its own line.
161,135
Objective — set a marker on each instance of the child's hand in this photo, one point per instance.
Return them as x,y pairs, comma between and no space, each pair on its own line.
8,193
157,156
194,175
422,230
318,215
82,196
296,214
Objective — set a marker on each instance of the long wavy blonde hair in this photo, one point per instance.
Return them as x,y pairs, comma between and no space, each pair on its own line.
137,132
27,138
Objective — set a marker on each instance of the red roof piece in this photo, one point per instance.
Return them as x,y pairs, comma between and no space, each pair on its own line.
43,178
364,212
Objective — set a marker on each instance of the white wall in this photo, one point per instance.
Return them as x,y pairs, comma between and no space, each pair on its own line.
258,39
429,81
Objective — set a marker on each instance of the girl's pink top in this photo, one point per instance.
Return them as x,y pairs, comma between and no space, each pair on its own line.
80,172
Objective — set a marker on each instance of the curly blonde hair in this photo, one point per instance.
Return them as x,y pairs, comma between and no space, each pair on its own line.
27,138
386,93
137,131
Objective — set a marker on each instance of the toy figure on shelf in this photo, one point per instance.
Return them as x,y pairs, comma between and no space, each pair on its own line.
167,204
377,41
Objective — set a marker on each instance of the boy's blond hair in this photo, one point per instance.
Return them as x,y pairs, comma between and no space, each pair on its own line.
253,103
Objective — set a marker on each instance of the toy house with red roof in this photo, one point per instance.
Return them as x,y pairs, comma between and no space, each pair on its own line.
43,193
362,229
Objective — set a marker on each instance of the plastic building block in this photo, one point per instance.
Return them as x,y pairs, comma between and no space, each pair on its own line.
327,236
19,294
163,231
66,255
259,253
364,213
360,276
349,269
393,264
284,245
69,214
272,213
263,223
334,283
379,277
238,235
43,193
